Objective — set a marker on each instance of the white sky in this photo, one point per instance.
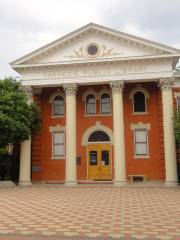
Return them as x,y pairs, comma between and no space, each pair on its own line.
26,25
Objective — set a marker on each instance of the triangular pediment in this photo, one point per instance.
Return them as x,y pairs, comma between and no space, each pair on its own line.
94,42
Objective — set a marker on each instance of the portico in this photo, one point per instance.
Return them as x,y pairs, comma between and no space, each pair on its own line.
80,68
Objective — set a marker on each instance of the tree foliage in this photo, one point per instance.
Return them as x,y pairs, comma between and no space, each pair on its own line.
177,125
18,119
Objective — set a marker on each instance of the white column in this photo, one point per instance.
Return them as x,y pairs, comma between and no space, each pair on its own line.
168,125
25,153
118,125
25,163
70,178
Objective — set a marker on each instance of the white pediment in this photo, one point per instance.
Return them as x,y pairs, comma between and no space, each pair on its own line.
107,48
110,44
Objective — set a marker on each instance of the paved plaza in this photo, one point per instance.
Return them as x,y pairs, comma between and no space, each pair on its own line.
89,212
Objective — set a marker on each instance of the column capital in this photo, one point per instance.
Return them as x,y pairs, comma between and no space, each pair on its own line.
166,83
70,88
117,86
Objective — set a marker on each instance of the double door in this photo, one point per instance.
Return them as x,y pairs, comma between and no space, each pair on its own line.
99,162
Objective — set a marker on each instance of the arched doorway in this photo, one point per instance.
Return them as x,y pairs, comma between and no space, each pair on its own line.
99,156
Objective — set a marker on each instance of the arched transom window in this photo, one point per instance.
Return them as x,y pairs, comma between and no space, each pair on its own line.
99,136
58,106
90,104
139,102
105,103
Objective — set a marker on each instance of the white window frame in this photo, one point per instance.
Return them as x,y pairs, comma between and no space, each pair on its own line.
140,126
52,147
110,112
51,100
58,116
146,95
85,94
90,114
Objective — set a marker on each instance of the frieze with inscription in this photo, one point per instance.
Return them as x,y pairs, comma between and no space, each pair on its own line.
94,71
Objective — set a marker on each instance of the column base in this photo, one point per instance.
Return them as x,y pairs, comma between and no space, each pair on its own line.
70,183
171,183
25,183
120,183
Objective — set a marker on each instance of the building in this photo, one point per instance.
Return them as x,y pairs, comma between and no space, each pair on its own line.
107,105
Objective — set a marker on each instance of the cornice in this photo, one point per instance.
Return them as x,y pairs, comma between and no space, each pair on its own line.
112,60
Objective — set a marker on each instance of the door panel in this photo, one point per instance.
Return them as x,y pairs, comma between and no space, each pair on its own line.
99,162
105,162
93,163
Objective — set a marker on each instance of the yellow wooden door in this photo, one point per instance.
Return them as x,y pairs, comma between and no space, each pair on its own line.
93,162
105,162
99,162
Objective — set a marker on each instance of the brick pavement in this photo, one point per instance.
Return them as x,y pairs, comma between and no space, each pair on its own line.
89,212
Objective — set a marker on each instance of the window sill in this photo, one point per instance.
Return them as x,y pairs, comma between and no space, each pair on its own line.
58,158
141,156
140,113
61,116
98,115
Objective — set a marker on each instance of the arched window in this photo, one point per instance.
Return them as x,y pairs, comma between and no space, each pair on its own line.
90,104
58,106
99,136
105,103
139,102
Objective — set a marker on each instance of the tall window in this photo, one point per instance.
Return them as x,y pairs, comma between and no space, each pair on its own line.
105,103
58,144
90,104
58,106
139,102
141,143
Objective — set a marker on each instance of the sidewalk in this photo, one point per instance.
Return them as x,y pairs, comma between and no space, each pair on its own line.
89,212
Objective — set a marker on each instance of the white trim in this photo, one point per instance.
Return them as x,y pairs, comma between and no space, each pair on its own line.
55,94
89,114
97,127
100,95
140,113
141,156
136,156
147,127
98,115
140,125
138,89
59,157
146,95
51,100
90,91
57,128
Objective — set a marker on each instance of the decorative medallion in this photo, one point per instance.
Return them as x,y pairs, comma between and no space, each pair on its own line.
93,50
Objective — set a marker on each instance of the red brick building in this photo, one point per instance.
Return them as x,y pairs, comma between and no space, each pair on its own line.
106,99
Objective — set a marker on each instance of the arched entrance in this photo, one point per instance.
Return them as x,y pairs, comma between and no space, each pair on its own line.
99,156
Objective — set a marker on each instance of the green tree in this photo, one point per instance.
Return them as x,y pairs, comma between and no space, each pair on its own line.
18,119
177,125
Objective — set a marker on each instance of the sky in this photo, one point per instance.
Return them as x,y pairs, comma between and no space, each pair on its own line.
27,25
